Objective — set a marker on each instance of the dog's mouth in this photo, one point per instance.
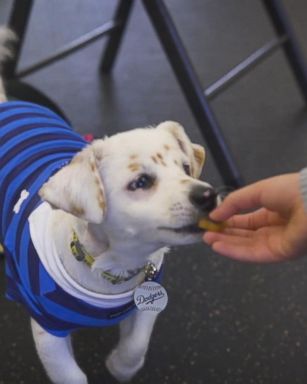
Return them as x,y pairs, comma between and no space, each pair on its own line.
187,229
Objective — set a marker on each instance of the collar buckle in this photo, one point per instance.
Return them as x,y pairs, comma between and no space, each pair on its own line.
150,271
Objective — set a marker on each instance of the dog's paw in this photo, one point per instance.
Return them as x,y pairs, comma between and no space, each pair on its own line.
80,379
72,378
122,370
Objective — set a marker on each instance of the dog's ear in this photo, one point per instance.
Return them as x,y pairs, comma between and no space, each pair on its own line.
77,188
195,152
199,157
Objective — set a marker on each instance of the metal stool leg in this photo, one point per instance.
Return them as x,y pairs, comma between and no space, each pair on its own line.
121,17
193,91
18,22
291,47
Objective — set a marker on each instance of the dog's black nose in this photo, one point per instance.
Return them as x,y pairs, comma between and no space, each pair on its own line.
203,198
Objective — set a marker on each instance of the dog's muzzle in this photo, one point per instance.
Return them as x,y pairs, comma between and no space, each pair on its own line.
204,198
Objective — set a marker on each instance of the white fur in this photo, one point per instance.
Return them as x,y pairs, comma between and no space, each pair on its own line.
130,227
121,228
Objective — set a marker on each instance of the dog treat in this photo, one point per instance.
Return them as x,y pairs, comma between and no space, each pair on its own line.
210,225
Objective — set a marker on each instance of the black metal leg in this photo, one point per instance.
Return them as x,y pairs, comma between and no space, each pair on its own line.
193,91
18,22
291,47
121,17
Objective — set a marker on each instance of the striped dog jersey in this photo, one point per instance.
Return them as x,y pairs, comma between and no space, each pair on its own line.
34,144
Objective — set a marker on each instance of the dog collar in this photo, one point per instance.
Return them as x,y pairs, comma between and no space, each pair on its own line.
82,255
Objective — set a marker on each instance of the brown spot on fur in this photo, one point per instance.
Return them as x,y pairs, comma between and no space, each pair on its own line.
167,147
77,159
184,181
93,167
198,155
77,211
99,157
100,196
101,201
134,167
182,145
97,181
133,157
96,176
161,160
158,159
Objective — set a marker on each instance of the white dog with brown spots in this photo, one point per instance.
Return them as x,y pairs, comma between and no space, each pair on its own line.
141,195
102,219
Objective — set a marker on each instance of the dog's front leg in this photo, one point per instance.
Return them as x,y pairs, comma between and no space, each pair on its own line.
57,357
129,355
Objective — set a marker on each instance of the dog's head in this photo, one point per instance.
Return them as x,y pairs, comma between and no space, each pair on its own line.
141,184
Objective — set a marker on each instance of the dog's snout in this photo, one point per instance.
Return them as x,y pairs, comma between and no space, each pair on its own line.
203,198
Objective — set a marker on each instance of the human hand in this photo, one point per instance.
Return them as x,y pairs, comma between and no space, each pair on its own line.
275,230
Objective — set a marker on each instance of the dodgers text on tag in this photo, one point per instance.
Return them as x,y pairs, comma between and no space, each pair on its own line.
150,296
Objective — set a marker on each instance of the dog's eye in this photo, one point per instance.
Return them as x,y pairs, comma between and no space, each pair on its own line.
186,169
144,181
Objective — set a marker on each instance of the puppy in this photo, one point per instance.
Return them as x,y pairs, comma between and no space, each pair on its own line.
84,225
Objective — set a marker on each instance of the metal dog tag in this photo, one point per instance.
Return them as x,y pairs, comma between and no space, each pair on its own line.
150,296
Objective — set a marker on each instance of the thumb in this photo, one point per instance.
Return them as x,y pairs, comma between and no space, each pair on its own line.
244,199
278,193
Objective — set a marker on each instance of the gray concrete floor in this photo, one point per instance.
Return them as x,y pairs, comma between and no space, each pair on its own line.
226,322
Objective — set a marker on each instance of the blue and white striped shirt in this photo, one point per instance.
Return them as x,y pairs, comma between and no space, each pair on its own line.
34,144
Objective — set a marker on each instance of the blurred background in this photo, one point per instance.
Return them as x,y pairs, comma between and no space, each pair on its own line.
226,322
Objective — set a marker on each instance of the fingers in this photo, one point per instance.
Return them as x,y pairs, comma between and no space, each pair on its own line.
234,247
262,235
239,248
241,200
276,194
234,250
255,220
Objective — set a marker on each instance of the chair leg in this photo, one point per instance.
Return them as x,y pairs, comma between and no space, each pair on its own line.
291,47
121,17
193,91
18,22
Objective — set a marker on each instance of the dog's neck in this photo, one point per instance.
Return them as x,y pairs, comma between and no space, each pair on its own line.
125,249
110,252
